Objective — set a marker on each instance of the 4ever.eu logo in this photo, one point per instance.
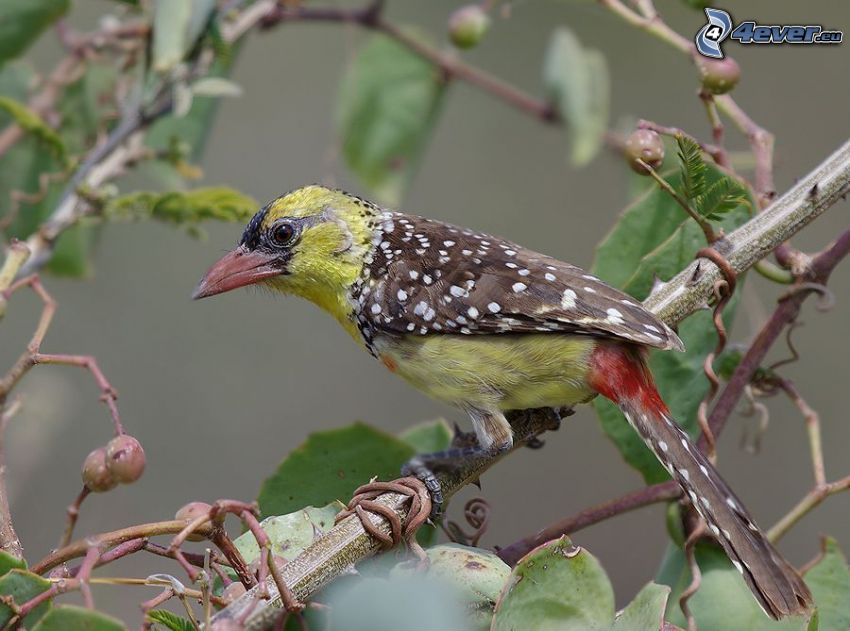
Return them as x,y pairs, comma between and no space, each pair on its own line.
721,27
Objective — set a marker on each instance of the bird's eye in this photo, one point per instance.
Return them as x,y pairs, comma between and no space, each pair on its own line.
283,234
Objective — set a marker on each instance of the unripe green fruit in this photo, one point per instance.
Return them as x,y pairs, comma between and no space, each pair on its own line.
646,145
96,474
467,26
125,458
719,76
192,511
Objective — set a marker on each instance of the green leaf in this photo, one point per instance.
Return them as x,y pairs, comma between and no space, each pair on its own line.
33,124
176,28
73,618
21,586
476,578
330,465
22,21
387,105
409,603
217,203
429,436
169,620
829,580
291,533
9,562
723,600
692,166
556,586
646,611
721,197
654,238
576,79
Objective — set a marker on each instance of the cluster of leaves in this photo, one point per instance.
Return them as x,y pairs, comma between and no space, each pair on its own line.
18,585
35,171
557,586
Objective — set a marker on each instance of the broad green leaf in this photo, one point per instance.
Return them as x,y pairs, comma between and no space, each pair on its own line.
33,124
646,611
330,465
829,580
645,244
216,203
73,618
291,533
476,578
409,603
723,600
576,79
177,24
170,621
556,586
22,21
20,586
387,105
8,562
429,436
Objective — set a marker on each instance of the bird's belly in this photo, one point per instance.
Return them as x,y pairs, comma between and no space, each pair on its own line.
508,372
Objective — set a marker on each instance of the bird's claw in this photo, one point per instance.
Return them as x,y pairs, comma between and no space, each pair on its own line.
417,468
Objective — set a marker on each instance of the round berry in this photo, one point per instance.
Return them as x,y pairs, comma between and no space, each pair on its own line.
467,25
125,458
96,474
719,76
645,145
192,511
233,591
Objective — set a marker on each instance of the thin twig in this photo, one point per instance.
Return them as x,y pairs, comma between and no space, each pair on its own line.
704,224
662,492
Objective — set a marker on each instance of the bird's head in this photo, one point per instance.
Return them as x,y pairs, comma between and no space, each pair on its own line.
310,242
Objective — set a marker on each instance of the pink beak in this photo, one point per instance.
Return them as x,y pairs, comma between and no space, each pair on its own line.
238,268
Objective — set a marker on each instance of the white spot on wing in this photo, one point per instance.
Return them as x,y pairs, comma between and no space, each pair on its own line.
519,287
568,299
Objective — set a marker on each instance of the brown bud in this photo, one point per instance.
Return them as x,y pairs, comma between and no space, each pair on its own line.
125,458
719,76
646,145
96,474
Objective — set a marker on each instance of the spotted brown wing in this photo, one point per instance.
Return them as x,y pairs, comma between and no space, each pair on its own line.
426,276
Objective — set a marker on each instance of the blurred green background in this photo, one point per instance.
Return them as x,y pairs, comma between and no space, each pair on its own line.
219,391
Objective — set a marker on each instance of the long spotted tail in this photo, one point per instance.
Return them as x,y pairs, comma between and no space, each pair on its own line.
619,373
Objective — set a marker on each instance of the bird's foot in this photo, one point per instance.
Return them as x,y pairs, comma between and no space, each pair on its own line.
423,466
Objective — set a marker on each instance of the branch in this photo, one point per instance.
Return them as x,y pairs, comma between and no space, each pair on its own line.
786,312
348,543
451,66
636,499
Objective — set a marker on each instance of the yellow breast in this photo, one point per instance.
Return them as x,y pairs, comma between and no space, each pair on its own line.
508,372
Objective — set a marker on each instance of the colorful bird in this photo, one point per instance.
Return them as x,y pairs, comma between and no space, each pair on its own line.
489,326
